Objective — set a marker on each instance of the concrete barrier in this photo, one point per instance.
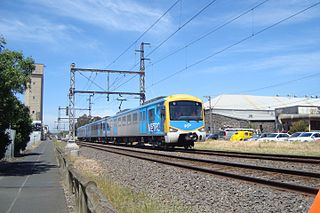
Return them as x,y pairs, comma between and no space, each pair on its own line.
88,197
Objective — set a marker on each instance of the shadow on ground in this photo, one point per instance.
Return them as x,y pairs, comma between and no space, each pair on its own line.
24,168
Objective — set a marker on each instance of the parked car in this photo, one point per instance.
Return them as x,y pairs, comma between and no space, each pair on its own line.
275,137
228,132
257,136
309,136
295,136
241,135
215,136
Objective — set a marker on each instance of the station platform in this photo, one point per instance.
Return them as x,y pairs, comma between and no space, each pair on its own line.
32,183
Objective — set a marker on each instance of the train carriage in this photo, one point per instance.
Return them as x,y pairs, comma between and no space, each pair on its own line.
176,120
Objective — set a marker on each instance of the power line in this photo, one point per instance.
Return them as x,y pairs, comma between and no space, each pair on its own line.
187,22
92,81
280,84
171,35
210,32
236,43
147,30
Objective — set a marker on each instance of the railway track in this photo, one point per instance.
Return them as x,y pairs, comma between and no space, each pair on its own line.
272,157
275,177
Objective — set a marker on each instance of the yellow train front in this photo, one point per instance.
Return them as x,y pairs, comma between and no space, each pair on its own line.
184,120
176,120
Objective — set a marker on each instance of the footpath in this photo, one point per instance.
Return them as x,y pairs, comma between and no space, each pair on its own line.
32,183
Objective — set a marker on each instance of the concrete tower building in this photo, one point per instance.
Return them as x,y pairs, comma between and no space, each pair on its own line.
33,96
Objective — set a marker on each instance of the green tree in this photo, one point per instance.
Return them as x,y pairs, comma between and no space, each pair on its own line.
299,126
15,73
84,119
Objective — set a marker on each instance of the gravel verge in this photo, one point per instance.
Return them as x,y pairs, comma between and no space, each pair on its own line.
197,191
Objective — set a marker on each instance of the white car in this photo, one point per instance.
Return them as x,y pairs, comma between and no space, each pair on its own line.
275,137
309,136
295,136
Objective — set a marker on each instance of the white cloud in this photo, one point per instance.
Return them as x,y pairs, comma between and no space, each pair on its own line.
287,63
123,15
35,29
274,11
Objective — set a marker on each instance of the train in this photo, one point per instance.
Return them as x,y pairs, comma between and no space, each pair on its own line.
167,121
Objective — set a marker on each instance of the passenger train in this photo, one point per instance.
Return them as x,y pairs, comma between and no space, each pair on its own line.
176,120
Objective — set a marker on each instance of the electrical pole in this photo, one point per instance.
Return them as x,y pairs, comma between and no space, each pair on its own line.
90,103
210,113
142,75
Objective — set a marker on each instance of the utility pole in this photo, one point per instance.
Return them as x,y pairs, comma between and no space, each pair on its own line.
210,115
90,103
142,75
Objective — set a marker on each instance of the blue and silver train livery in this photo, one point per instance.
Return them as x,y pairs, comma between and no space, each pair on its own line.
176,120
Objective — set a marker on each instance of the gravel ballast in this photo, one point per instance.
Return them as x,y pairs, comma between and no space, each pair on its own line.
197,191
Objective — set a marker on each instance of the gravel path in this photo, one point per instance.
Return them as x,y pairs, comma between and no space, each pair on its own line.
198,191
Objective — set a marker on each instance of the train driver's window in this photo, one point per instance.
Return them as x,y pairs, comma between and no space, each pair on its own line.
151,115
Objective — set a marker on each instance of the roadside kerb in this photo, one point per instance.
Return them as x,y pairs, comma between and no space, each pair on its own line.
88,197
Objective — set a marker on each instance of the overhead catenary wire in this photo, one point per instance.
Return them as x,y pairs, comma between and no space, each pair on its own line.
202,37
235,44
281,83
134,42
147,30
210,32
177,30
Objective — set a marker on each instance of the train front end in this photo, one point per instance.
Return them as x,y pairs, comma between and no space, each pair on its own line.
184,123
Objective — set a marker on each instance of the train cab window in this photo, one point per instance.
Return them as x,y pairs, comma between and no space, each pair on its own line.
135,118
124,121
151,115
129,119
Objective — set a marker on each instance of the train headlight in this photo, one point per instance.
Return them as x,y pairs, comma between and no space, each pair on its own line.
202,129
172,129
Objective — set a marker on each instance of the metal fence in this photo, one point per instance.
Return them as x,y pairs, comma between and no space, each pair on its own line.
88,197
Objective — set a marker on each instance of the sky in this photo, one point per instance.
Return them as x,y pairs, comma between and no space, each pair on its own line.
202,48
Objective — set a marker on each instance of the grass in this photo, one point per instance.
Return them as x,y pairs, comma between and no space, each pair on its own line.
292,148
123,199
59,144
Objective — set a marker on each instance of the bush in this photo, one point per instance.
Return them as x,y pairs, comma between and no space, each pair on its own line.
299,126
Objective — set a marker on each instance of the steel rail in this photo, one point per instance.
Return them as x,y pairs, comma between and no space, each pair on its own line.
273,157
294,187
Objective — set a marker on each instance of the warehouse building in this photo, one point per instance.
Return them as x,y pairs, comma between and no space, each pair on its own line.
256,112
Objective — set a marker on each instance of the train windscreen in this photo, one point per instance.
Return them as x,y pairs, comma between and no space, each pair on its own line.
185,110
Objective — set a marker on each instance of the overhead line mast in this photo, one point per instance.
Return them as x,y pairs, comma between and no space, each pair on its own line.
73,91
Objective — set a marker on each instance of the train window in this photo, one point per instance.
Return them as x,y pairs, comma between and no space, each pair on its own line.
135,118
129,119
140,116
124,121
151,115
115,122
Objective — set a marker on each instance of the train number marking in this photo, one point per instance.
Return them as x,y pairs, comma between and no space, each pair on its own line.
154,127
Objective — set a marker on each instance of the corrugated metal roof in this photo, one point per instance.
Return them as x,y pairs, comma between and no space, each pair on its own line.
250,102
247,115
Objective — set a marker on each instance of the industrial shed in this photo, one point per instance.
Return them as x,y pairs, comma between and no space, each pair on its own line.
247,111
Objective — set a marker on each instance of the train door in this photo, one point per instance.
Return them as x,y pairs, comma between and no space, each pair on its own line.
143,123
153,121
160,115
